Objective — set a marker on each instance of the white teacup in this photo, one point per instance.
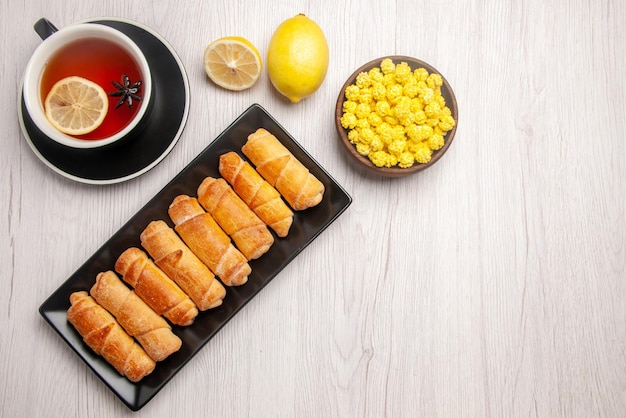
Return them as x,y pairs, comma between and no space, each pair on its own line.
53,41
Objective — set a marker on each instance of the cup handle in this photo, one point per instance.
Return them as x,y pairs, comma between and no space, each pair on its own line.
44,28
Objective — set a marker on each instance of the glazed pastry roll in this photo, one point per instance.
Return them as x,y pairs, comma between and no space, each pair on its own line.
107,338
281,169
181,265
155,288
208,241
258,194
247,230
138,319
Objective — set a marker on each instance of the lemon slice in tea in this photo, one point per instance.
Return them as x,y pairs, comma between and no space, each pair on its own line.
233,63
76,106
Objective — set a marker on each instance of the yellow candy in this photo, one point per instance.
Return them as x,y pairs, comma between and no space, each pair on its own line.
420,117
387,66
353,136
374,119
447,123
420,74
362,149
394,93
388,80
434,80
362,124
427,95
362,111
397,147
378,158
383,108
416,105
432,109
385,131
349,106
366,135
406,160
379,91
352,93
423,154
348,120
363,80
435,142
409,89
376,75
365,95
403,72
377,144
396,116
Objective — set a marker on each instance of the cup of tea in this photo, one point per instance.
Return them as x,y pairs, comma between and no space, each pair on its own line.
87,85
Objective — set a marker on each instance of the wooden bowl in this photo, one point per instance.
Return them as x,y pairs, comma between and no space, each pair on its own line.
446,92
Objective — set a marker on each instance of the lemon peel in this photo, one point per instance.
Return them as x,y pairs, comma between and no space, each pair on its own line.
297,58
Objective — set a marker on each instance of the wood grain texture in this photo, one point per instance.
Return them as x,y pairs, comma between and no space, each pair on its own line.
490,285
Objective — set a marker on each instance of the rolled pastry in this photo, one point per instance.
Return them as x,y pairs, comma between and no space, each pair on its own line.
258,194
281,169
107,338
154,287
248,231
208,241
138,319
181,265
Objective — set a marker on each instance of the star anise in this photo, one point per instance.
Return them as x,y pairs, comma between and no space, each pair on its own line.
126,91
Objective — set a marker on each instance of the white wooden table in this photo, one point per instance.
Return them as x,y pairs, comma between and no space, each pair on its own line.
492,284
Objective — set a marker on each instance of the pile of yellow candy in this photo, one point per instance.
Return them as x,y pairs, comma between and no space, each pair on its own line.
396,116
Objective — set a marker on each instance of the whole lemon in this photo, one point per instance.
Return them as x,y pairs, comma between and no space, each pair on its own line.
297,58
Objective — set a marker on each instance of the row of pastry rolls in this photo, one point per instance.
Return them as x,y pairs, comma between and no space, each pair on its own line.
127,326
198,249
282,170
208,241
152,285
181,279
242,205
107,338
264,200
110,316
249,233
181,265
152,332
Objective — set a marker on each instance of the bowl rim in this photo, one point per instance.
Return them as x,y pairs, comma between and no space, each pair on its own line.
446,91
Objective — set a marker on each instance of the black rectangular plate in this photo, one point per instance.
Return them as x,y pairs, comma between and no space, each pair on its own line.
307,225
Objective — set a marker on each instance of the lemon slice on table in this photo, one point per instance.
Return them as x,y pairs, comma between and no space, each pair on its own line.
76,106
233,63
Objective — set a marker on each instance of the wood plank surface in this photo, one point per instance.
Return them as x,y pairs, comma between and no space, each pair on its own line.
491,285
